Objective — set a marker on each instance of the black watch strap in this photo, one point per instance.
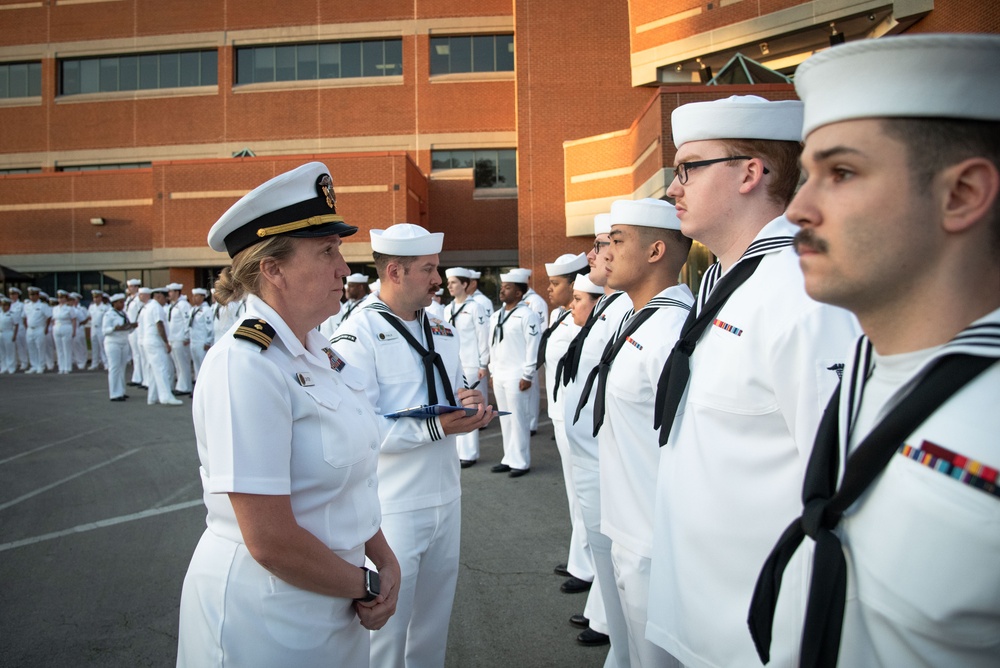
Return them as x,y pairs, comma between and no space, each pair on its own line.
371,586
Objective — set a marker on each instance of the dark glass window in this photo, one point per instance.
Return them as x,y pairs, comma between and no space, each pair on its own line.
476,53
491,168
323,60
138,72
105,168
20,80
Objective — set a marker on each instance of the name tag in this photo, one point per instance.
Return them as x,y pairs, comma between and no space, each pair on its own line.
305,380
387,336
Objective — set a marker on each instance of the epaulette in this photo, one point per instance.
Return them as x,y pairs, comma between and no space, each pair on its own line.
256,331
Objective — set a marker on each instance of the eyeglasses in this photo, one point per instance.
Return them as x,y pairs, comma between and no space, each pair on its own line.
683,168
598,245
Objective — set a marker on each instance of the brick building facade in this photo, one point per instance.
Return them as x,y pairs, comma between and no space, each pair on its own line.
106,174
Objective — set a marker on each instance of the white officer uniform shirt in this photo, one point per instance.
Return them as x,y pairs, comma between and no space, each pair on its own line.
260,430
921,554
21,350
116,349
9,324
97,353
36,315
730,477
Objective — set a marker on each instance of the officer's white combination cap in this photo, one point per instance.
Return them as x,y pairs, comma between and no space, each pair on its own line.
200,291
602,224
4,300
117,297
14,288
133,281
145,291
646,212
298,203
912,76
357,278
566,264
584,284
737,117
175,286
32,288
406,240
458,272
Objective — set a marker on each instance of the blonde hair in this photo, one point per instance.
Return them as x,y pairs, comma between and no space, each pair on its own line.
242,277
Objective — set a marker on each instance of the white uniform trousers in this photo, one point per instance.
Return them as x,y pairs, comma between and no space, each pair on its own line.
50,350
21,350
587,483
632,578
468,444
515,427
180,355
116,352
157,372
137,365
426,543
36,348
63,334
80,348
98,353
198,353
8,352
580,564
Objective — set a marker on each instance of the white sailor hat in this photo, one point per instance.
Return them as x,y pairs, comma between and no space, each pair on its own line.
145,291
406,240
909,76
14,288
199,291
43,294
133,282
602,224
97,292
375,286
475,275
174,286
646,212
357,278
75,295
737,117
32,288
584,284
527,272
566,264
117,297
299,203
161,291
62,293
514,276
4,300
458,272
53,300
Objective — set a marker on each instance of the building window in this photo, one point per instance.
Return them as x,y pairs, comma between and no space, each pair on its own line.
20,79
21,170
323,60
144,71
491,168
102,168
472,53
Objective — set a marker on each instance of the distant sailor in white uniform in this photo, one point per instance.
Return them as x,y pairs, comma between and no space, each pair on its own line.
37,321
97,309
20,344
156,350
288,444
515,332
65,320
116,328
410,359
10,326
179,334
132,306
472,328
356,286
201,329
537,304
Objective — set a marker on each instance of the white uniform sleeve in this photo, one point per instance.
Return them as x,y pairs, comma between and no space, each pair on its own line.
482,322
803,361
355,343
532,338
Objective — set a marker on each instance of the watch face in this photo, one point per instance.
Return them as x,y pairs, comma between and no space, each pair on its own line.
373,583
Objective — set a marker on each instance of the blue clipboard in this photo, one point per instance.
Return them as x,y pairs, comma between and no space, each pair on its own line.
433,410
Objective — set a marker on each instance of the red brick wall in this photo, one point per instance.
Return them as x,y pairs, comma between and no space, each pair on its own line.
960,16
573,82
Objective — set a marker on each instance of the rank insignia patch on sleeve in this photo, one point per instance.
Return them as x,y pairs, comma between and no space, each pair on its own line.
256,331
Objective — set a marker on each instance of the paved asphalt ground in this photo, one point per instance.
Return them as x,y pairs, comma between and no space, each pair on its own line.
100,510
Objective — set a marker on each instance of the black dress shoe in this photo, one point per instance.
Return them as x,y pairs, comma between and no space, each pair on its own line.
466,463
178,393
575,585
500,468
517,473
579,621
592,638
118,399
563,570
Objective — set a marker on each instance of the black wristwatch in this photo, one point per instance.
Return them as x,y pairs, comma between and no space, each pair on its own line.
371,586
